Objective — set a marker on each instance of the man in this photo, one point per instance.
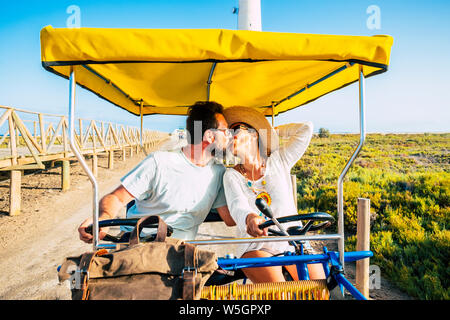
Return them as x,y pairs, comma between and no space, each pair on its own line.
181,186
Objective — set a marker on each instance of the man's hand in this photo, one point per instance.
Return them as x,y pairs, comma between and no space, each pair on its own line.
87,237
253,221
110,206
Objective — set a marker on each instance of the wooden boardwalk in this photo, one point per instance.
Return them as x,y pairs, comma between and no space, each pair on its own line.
30,139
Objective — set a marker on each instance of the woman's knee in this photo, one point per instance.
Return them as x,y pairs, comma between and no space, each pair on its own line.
262,274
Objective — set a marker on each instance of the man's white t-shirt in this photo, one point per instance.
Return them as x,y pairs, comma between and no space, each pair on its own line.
168,184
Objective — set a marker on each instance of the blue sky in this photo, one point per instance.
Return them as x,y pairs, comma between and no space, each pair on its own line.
413,96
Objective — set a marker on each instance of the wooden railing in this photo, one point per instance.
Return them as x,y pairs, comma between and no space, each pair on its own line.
28,139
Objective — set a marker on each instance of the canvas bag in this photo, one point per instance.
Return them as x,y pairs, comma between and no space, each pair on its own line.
163,269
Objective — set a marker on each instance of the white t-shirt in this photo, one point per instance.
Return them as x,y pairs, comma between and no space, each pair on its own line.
241,199
168,184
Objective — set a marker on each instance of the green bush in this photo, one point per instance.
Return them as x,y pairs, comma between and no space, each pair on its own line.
407,179
324,133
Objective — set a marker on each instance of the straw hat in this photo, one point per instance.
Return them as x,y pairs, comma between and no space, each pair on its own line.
268,138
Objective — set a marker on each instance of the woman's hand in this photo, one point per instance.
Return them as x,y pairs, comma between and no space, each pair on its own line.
253,221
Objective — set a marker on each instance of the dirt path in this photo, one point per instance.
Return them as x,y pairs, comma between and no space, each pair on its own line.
34,243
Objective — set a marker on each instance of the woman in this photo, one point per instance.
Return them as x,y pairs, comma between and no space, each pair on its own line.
264,170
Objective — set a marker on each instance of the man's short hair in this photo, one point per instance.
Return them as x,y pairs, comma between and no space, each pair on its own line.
202,113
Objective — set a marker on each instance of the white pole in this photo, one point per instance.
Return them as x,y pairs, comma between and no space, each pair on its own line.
340,186
73,146
249,15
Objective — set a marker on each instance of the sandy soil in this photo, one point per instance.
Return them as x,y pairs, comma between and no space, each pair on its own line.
35,242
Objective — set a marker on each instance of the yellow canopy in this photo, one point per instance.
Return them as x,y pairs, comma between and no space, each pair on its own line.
168,70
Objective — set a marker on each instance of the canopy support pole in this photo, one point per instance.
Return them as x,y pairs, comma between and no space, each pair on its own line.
273,120
142,127
340,191
208,83
142,123
73,146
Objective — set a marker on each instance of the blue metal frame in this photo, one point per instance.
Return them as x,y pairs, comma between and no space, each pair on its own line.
329,259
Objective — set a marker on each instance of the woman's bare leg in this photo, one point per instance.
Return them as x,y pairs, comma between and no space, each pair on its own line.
275,274
316,271
262,274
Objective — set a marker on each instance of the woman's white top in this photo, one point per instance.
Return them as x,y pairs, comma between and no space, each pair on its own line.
241,199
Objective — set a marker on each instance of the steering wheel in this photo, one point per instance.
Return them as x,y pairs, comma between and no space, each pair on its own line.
324,218
125,237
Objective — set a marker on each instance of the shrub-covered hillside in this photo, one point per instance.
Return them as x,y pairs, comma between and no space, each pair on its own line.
407,179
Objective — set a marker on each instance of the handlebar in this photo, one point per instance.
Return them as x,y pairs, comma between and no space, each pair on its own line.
326,219
126,236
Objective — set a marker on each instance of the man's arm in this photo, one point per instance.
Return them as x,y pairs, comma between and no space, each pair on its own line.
224,213
109,207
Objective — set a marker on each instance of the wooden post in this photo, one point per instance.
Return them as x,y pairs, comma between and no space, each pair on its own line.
124,154
94,140
294,189
111,159
15,197
94,165
64,137
17,136
43,136
65,175
81,132
363,244
103,130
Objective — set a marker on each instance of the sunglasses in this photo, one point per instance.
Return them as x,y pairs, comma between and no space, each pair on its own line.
225,131
237,127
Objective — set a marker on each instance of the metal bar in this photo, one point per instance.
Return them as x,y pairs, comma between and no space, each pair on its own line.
291,259
273,119
141,135
347,284
284,232
72,85
270,261
208,84
142,124
302,271
105,245
342,68
357,255
135,102
264,239
340,185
